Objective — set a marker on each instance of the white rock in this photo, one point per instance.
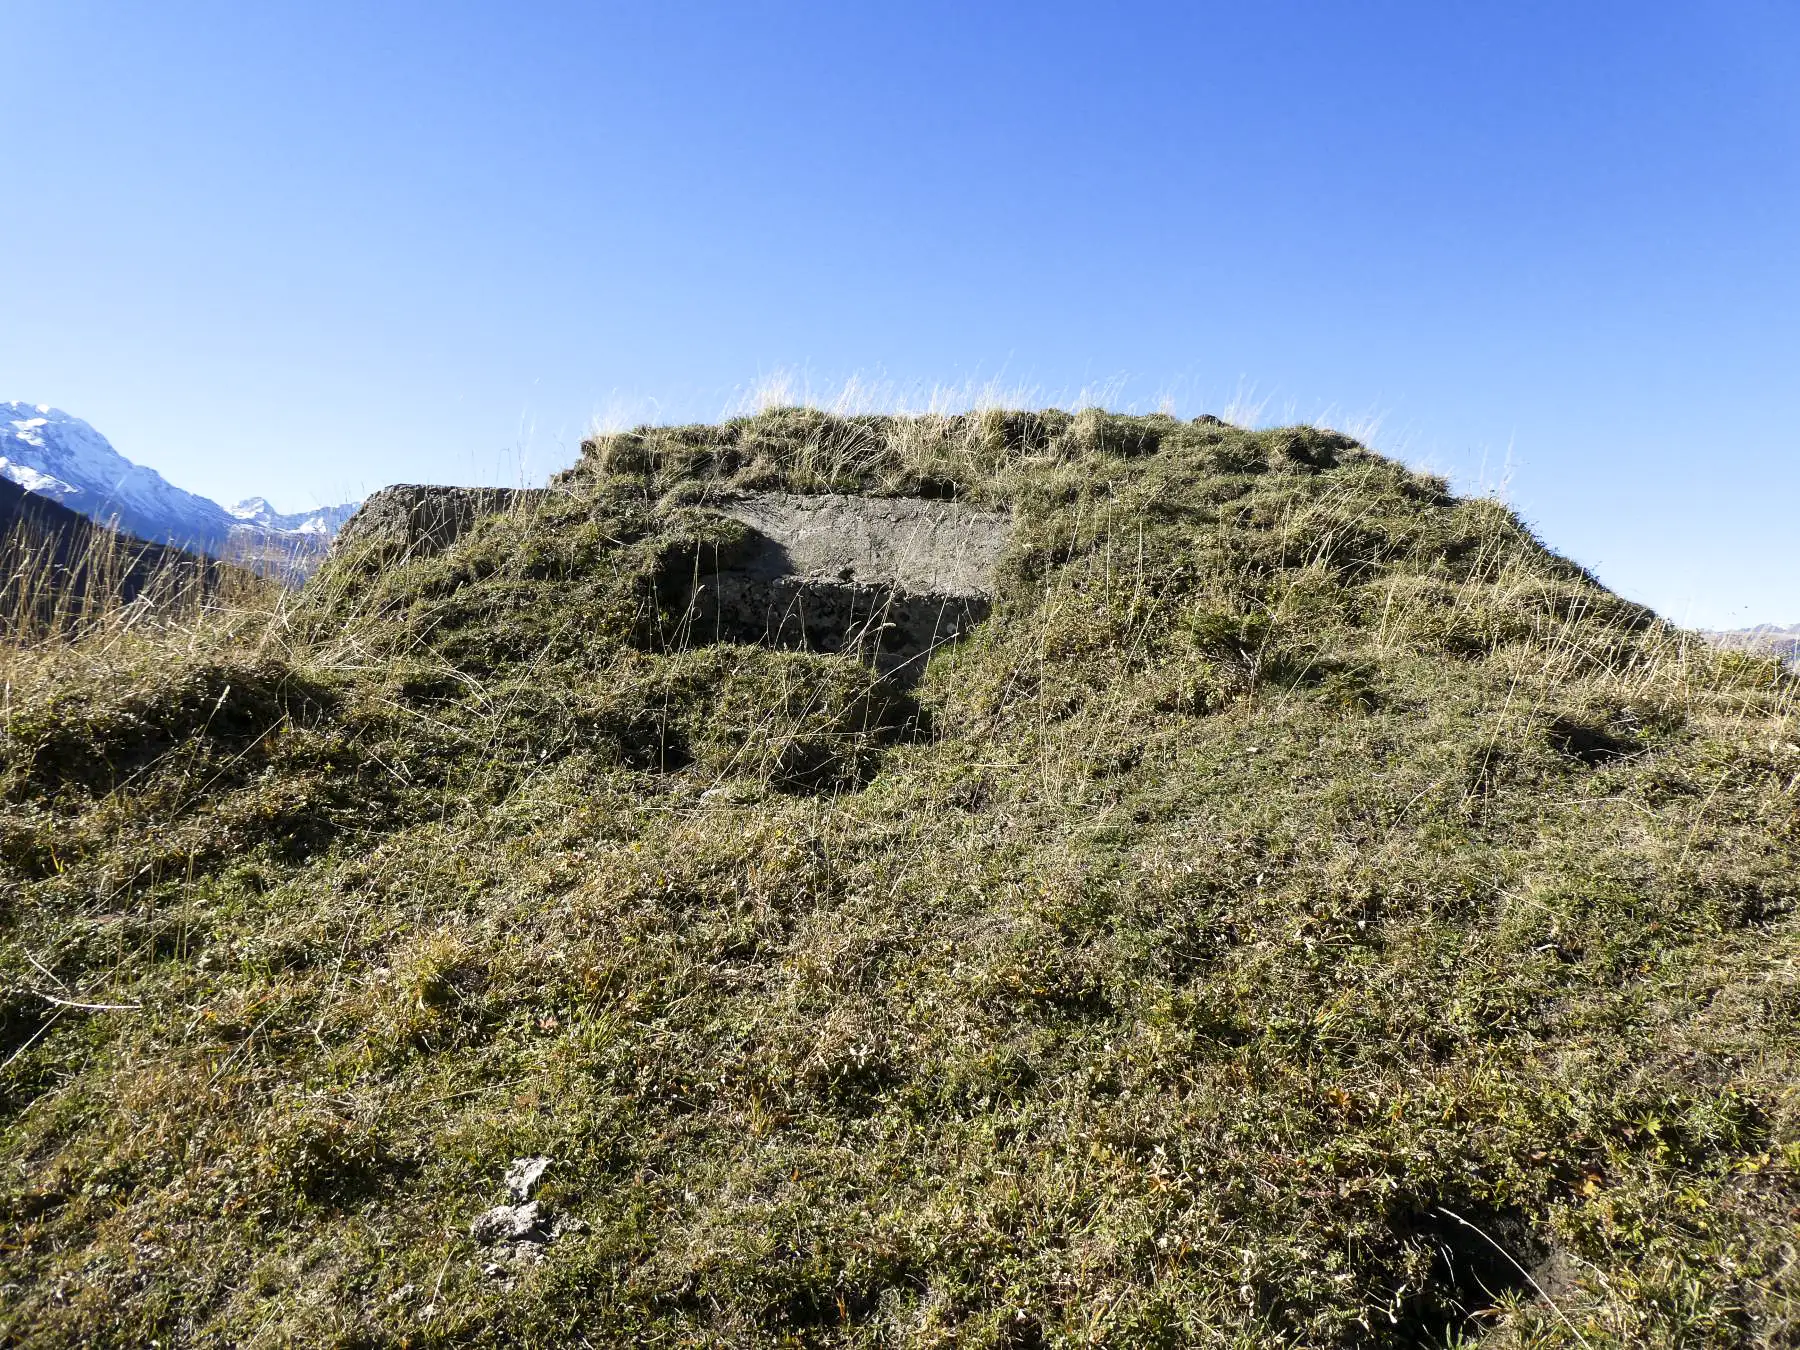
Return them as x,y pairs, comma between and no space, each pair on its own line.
509,1223
522,1177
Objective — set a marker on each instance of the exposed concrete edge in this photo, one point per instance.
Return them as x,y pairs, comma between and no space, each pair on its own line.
417,520
891,579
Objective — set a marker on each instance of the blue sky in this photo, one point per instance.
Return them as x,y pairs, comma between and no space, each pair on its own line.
306,250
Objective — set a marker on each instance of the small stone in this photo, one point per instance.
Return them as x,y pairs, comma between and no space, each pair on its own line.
522,1177
564,1224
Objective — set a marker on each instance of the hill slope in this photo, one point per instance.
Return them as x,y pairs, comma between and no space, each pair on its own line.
1303,906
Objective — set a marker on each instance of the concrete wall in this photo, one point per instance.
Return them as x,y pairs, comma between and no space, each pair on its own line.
920,547
889,578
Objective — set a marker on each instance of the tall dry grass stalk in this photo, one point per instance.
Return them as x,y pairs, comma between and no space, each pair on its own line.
97,590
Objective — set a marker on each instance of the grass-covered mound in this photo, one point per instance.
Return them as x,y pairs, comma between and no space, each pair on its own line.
1307,912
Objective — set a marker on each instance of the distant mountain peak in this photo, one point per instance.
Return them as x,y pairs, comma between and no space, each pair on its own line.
323,522
1769,639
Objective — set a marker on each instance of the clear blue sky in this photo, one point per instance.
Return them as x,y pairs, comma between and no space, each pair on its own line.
308,249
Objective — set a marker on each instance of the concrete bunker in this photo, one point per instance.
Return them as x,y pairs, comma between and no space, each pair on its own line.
890,579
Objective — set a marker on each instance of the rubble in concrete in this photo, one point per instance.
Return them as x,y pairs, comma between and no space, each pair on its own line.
517,1233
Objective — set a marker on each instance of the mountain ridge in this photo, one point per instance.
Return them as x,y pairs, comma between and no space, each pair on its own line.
1770,639
62,457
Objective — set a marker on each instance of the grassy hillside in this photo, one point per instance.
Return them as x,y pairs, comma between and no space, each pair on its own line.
1308,912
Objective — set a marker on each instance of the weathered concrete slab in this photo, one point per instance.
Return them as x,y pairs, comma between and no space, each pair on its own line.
903,543
888,578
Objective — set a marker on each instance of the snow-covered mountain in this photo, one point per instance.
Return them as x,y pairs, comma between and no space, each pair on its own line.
46,451
324,522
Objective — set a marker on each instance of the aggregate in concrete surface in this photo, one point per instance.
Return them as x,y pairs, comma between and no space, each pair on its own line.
889,578
907,544
418,520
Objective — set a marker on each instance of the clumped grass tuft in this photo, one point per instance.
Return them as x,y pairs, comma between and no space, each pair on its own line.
1309,911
